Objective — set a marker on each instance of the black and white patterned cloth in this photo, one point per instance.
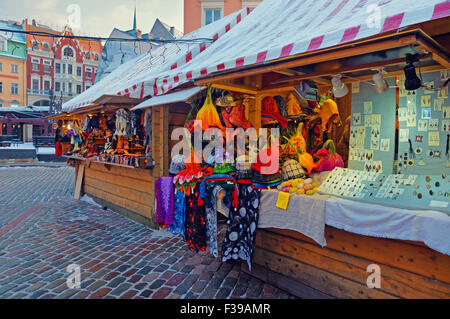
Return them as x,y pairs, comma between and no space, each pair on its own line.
239,241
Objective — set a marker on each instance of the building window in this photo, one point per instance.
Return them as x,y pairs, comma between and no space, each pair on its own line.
57,68
46,85
212,15
69,89
78,89
3,45
88,72
69,68
15,89
64,87
78,70
47,65
68,52
1,66
1,87
35,84
63,69
57,86
35,63
88,55
14,68
95,56
45,46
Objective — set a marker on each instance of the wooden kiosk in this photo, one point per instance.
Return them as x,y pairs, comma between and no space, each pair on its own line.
294,262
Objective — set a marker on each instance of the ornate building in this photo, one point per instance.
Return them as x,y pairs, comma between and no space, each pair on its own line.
61,65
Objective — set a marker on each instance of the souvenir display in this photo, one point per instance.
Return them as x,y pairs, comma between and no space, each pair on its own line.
115,138
396,190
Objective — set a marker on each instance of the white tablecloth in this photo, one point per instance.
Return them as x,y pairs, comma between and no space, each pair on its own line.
429,227
304,214
309,214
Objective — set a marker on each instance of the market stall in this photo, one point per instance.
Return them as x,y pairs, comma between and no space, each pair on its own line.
352,180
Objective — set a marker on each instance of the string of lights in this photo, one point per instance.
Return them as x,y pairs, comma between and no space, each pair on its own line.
51,35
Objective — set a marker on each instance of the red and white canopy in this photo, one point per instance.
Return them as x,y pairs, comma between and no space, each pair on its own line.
275,29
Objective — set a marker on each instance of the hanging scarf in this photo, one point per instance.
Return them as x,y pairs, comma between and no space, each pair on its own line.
179,213
239,242
164,201
195,223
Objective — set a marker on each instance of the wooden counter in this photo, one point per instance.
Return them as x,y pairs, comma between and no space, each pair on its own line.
124,189
295,263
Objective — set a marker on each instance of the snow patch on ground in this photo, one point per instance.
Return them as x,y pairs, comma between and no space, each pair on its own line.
90,200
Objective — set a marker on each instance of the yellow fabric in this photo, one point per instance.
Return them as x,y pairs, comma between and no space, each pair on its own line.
328,109
292,105
208,114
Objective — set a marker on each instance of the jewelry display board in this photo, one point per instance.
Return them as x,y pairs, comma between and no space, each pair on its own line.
427,192
372,131
424,126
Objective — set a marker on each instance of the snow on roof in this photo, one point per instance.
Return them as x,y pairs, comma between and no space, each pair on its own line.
282,28
167,57
12,36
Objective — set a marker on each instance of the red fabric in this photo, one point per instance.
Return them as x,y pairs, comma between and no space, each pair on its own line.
269,108
58,149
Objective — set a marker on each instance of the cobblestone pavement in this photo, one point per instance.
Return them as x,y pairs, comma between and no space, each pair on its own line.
43,230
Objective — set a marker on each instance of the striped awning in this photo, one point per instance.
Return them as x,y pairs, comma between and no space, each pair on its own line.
279,29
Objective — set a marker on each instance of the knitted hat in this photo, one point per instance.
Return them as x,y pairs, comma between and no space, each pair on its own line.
257,177
177,164
269,111
266,165
293,107
223,168
292,170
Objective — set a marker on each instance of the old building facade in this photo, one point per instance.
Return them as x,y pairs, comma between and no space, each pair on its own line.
198,13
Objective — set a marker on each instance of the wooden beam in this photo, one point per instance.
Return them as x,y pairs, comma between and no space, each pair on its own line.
294,73
368,77
235,88
438,54
348,69
317,57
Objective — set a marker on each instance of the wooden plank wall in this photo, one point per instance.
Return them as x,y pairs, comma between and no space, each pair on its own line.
129,188
408,269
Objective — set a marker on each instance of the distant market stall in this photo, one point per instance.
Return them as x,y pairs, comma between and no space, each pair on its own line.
362,176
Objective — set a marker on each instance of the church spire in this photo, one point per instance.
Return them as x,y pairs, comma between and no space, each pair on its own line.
134,21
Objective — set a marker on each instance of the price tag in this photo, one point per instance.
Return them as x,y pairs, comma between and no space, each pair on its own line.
283,200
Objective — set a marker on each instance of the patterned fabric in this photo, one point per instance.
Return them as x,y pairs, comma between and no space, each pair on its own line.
179,213
148,134
211,219
261,178
164,193
195,223
292,170
239,241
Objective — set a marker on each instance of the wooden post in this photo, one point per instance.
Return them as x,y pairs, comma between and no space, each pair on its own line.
79,181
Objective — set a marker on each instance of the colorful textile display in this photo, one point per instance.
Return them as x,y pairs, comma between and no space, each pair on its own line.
195,223
239,242
164,194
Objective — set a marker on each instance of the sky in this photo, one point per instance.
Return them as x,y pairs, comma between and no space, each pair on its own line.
96,17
